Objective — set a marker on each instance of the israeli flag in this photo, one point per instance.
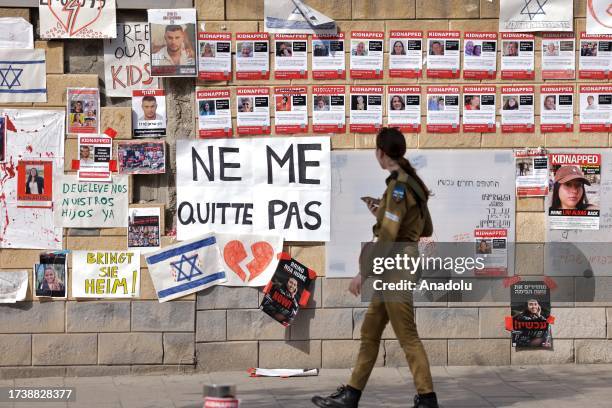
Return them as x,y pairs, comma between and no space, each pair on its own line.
185,268
23,75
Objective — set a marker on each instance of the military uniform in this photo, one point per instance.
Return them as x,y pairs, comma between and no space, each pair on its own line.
398,219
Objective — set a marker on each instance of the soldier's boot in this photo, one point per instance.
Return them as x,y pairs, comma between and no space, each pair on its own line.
344,397
426,400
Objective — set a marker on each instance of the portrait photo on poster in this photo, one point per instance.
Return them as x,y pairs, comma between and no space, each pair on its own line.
50,278
142,157
149,113
173,42
83,108
35,183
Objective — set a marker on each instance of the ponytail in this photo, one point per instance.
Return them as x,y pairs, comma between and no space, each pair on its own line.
407,167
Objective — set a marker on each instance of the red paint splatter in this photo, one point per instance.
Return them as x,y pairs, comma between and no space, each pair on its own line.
6,216
29,148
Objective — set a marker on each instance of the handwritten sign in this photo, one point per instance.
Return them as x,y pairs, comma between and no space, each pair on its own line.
90,204
265,185
77,18
127,60
105,274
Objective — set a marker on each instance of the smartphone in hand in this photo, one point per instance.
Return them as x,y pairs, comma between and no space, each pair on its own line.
371,201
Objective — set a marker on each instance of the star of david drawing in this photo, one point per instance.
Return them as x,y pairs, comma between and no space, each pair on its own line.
9,77
530,5
193,271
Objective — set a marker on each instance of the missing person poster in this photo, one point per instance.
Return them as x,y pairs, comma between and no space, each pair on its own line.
367,54
291,109
214,113
491,245
517,111
479,55
291,56
51,275
479,107
144,230
289,289
127,60
149,112
95,153
443,55
253,116
35,183
530,322
595,108
214,56
558,56
252,56
531,170
105,274
141,156
405,54
366,109
329,111
443,109
573,202
173,42
517,59
83,105
595,60
404,108
90,204
328,58
557,108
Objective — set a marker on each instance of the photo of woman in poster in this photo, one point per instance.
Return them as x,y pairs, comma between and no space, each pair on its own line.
397,103
358,102
398,48
510,103
568,191
402,217
283,104
50,279
35,184
472,102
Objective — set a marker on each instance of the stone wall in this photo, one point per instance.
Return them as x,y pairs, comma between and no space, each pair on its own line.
221,328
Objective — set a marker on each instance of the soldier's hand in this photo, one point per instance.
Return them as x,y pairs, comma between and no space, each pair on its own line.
355,285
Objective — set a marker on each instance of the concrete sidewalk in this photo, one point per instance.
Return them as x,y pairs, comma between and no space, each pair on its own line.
537,386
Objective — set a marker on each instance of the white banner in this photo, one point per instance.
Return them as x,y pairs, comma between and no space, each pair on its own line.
16,33
105,274
77,19
90,204
536,15
248,259
23,76
13,286
127,64
599,17
30,134
264,185
185,268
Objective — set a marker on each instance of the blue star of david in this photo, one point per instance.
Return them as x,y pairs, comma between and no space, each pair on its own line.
193,271
7,80
538,5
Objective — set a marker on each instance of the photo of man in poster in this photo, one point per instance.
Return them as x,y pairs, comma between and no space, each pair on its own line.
173,40
177,49
149,109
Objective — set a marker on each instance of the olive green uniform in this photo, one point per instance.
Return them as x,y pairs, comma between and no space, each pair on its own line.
398,219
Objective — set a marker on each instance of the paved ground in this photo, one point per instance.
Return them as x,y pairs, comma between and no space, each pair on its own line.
543,386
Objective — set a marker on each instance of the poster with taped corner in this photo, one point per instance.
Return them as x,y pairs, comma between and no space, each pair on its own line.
254,185
186,267
536,15
95,154
24,76
141,156
13,286
289,289
173,42
92,204
105,274
30,135
77,19
485,200
127,60
249,259
531,319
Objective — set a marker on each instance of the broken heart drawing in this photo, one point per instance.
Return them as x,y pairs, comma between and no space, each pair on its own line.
249,260
77,18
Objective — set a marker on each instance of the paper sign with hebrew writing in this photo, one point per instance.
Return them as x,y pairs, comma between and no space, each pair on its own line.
30,135
249,259
77,19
